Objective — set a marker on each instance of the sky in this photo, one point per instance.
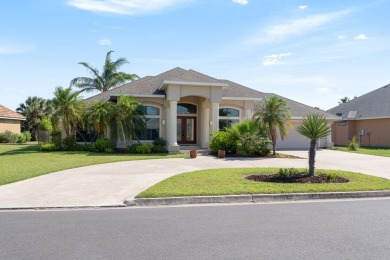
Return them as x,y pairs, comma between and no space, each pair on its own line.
314,52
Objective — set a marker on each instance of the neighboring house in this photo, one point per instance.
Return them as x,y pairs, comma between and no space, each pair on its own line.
367,116
185,106
10,120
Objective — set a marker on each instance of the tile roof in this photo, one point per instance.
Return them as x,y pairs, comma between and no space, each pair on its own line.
375,104
8,113
150,86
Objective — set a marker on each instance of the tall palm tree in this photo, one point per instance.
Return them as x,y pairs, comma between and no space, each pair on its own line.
108,79
274,115
126,119
313,127
34,109
98,115
69,107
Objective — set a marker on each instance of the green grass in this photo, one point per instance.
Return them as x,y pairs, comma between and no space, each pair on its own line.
23,161
378,151
232,182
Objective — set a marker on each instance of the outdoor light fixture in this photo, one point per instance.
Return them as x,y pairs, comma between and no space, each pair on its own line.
163,121
211,122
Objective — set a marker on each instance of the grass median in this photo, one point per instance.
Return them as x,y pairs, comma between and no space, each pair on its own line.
232,182
378,151
24,161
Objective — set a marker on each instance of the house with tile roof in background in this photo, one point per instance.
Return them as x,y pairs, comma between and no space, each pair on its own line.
367,117
10,120
185,106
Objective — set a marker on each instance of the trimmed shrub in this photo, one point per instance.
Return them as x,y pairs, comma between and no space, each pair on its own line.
103,145
223,140
288,173
160,146
249,144
69,143
56,138
45,125
49,148
140,148
27,136
9,137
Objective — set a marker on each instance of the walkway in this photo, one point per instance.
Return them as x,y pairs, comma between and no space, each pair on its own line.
110,184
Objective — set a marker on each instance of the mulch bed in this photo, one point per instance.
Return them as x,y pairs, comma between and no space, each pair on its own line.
319,178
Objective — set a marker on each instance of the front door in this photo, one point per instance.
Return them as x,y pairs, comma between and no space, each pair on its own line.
186,130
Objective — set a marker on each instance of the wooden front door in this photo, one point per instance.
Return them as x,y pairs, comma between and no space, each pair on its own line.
186,130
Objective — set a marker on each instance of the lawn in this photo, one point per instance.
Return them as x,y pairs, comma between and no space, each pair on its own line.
379,151
23,161
232,182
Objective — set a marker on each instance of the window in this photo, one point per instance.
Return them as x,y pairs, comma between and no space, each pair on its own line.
186,109
152,122
87,134
227,117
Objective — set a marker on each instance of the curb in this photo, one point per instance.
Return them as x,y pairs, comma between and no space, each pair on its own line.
63,207
253,198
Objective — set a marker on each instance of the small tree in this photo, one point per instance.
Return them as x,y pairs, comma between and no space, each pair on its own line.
313,127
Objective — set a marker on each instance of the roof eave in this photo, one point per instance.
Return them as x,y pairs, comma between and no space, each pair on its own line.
190,83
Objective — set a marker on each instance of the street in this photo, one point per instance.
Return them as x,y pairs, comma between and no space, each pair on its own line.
357,229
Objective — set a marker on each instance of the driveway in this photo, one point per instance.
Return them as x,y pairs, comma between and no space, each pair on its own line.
110,184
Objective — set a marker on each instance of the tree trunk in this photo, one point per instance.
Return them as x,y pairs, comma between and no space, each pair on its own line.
312,156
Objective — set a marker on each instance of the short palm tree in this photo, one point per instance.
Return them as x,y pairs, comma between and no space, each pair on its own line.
69,107
97,115
108,79
274,115
313,127
126,118
34,109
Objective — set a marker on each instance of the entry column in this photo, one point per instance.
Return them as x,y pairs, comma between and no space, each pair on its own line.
173,146
215,115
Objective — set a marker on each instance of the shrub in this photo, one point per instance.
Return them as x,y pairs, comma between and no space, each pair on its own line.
45,125
69,143
252,144
289,173
27,136
102,145
56,138
82,148
140,148
8,137
332,177
353,144
49,148
160,145
223,140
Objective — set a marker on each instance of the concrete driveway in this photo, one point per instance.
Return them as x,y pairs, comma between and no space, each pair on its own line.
110,184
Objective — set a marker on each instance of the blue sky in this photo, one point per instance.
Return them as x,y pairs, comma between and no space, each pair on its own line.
315,52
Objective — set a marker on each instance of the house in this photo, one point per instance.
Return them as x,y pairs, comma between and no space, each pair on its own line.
185,106
367,117
10,120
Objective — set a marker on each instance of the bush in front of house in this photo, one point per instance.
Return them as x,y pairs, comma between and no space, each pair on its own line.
49,147
45,125
223,140
103,145
353,144
69,143
160,145
252,144
9,137
140,148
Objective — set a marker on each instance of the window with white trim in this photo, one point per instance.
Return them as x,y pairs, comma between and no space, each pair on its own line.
152,123
227,117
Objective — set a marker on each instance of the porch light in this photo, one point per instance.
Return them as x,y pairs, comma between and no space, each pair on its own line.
163,121
211,122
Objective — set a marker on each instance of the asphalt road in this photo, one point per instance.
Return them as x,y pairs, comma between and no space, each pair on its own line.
357,229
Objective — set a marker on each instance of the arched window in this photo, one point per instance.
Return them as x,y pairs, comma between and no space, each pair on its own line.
227,117
186,109
152,122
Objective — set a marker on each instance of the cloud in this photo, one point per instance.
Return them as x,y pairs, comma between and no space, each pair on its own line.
361,37
124,7
274,59
241,2
105,42
342,37
295,27
322,90
303,7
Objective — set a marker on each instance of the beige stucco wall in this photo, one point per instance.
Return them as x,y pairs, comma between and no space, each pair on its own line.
9,125
379,128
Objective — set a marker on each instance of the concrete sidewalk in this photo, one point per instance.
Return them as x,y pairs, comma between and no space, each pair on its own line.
110,184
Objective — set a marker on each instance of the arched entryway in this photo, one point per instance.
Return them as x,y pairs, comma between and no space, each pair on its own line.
187,117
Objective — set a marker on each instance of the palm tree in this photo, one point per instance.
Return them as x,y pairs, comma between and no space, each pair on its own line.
344,100
34,109
126,119
108,79
69,107
97,115
274,115
313,127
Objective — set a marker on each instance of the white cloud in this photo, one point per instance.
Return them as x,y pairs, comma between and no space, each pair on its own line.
295,27
241,2
303,7
274,58
322,90
124,7
361,37
342,37
105,42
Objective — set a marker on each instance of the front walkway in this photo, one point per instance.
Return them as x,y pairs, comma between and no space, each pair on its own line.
110,184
